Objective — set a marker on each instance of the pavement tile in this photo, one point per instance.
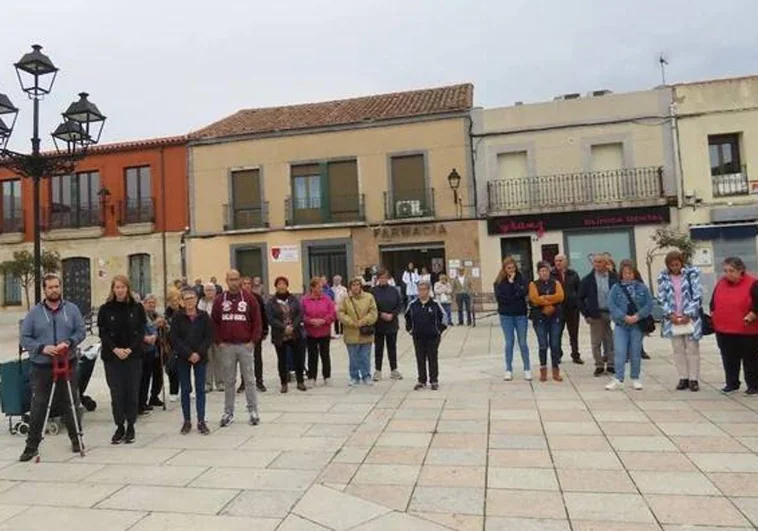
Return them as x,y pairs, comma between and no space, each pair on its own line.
695,510
589,460
518,442
453,457
400,521
390,455
624,443
302,460
691,429
522,479
516,427
448,500
336,510
256,479
525,504
464,441
716,462
462,426
72,519
656,461
213,458
405,440
579,480
519,458
295,523
128,456
749,506
691,445
193,522
578,442
352,454
497,523
60,472
395,497
338,473
584,525
169,499
686,483
452,476
458,522
607,507
571,428
263,504
736,484
57,494
169,476
412,426
387,475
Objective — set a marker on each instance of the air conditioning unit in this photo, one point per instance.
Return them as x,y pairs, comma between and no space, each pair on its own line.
408,209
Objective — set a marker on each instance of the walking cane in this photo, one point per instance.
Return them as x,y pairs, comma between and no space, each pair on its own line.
62,371
162,348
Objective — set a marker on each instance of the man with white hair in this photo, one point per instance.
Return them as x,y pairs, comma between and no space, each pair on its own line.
213,378
425,319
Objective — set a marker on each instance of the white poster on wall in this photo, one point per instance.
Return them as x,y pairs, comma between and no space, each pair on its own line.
702,257
285,253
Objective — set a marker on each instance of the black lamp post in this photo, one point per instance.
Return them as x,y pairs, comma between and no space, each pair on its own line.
82,126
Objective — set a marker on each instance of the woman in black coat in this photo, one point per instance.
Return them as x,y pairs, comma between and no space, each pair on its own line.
121,322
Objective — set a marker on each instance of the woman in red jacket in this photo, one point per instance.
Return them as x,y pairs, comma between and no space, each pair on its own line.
734,309
319,313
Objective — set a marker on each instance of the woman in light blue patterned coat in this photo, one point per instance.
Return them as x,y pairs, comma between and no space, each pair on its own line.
680,294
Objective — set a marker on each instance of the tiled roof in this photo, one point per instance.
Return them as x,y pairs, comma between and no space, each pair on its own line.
375,108
136,145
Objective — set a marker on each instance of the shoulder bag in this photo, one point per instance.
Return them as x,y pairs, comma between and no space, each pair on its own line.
365,330
647,325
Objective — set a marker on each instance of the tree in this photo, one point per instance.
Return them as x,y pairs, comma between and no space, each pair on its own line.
22,268
666,239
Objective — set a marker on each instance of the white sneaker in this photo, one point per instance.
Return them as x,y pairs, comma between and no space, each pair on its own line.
614,385
395,375
528,376
173,398
327,382
637,385
311,384
508,376
377,376
352,383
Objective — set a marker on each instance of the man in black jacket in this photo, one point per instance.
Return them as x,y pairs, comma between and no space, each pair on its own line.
389,304
570,281
593,303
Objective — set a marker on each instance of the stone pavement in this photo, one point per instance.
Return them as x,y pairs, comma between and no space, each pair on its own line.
478,454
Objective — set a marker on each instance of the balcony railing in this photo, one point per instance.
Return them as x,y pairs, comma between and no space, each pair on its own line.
409,204
320,210
73,216
241,217
137,210
14,223
731,184
576,189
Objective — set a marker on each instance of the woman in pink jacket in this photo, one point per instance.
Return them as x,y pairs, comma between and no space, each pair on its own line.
318,315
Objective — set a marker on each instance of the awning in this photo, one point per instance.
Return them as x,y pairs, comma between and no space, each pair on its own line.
724,231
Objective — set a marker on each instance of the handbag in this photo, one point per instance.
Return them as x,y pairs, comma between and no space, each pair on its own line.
365,330
647,325
683,329
705,319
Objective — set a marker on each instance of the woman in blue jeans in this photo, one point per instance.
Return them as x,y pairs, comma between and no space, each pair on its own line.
546,298
629,303
191,337
511,291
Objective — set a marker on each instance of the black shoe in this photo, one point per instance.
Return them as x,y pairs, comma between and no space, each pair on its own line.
28,455
694,386
118,437
261,387
751,391
610,370
186,427
241,388
88,403
129,437
683,384
202,428
599,371
577,358
301,386
435,386
728,389
645,355
419,386
75,446
143,411
155,402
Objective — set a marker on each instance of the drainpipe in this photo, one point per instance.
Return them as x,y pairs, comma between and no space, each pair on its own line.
473,164
678,173
163,226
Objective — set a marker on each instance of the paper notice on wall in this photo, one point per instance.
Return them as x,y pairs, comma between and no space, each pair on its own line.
453,273
285,253
468,263
476,272
453,264
702,257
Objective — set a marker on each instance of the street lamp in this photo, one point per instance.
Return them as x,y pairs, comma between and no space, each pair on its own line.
454,180
82,126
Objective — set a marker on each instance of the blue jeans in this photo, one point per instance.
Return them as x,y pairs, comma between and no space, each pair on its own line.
448,307
627,342
184,368
359,356
463,300
519,325
549,336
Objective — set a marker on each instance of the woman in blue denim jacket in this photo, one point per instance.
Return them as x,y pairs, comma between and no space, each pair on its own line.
629,302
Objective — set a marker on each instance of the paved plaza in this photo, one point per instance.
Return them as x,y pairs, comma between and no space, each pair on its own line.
480,453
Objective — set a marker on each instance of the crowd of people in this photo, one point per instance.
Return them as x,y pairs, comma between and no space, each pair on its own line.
207,334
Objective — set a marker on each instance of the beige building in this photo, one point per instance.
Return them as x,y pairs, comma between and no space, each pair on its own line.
717,125
576,175
333,188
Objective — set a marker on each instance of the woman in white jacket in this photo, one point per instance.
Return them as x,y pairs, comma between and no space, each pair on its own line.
410,281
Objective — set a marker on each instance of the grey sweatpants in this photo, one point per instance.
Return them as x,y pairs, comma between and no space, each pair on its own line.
229,356
601,339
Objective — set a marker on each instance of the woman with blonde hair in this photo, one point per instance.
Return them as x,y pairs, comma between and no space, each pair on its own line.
121,323
318,315
511,289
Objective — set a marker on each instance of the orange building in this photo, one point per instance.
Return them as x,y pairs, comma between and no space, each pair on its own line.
123,211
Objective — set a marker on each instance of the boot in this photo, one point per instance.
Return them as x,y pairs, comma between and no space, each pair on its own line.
543,374
557,374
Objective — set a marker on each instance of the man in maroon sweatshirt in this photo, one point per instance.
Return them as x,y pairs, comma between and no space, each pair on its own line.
237,322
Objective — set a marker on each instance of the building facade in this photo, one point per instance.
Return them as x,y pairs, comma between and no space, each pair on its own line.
576,176
334,188
123,211
717,126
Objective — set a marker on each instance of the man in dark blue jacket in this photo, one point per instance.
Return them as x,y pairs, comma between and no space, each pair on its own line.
425,320
570,282
593,303
389,303
49,329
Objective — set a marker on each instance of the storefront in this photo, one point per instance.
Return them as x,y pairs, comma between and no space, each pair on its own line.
624,233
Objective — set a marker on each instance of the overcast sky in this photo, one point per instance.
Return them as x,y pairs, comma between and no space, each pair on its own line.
166,67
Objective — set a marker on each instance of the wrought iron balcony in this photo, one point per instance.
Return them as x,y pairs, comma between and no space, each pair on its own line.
409,204
59,216
567,190
137,210
241,217
14,223
731,184
322,210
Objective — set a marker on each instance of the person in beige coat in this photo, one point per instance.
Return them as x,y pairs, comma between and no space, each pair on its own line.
463,289
358,314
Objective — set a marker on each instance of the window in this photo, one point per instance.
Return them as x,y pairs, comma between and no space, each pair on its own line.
306,187
11,206
724,153
249,261
512,165
138,185
247,210
74,200
408,177
11,290
606,157
139,273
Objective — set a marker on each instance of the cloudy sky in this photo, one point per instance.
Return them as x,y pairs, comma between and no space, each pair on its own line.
165,67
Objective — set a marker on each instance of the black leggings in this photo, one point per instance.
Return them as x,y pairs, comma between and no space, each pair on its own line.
152,372
123,377
298,354
739,349
319,347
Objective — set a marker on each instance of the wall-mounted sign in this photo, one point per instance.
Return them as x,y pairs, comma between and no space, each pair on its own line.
406,231
593,219
285,253
702,257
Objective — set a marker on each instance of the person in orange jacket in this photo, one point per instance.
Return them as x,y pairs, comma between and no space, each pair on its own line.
546,298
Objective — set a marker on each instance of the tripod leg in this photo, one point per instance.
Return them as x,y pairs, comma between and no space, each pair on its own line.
163,379
77,424
47,413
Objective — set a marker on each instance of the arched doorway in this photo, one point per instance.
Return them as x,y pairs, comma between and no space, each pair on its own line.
77,283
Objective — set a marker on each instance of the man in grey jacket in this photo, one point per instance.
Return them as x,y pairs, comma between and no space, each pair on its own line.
49,329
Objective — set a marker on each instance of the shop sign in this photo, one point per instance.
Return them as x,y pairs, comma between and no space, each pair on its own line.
409,231
594,219
285,253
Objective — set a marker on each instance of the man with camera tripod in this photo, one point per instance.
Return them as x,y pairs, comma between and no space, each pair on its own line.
53,327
